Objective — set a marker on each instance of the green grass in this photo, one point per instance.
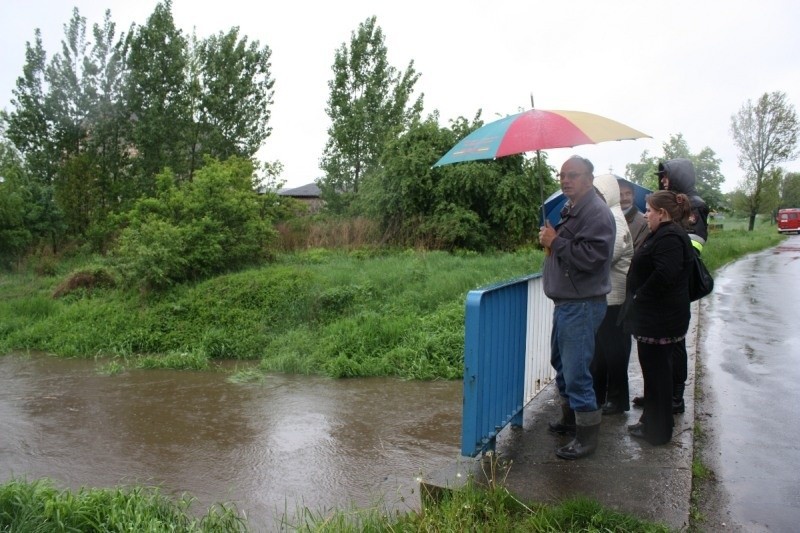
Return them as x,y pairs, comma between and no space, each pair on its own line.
27,507
319,312
730,244
34,507
341,314
482,510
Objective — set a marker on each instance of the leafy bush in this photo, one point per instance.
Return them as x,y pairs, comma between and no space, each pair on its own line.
197,229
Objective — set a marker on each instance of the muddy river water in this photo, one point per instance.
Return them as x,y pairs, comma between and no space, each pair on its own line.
272,448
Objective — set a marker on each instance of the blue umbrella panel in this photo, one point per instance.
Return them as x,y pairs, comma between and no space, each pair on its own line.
555,202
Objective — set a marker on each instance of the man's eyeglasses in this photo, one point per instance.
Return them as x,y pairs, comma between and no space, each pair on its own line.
570,175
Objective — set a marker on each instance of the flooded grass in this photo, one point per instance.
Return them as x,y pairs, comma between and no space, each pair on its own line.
176,360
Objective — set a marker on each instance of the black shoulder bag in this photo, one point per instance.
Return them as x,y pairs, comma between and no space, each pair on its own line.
701,284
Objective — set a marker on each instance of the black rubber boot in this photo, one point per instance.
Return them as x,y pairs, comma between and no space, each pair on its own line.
585,442
677,398
566,425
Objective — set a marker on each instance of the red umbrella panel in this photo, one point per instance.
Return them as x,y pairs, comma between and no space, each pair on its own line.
537,130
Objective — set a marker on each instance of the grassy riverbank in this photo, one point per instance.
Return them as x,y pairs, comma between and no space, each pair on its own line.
40,507
318,312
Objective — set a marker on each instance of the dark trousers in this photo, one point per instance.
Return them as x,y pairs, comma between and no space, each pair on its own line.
612,352
679,368
657,361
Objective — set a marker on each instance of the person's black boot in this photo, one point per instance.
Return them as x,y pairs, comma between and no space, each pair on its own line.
586,437
677,399
566,425
638,401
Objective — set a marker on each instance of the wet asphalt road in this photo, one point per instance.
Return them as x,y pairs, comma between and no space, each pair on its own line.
750,335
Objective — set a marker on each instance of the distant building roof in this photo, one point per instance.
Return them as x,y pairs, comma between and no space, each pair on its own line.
309,190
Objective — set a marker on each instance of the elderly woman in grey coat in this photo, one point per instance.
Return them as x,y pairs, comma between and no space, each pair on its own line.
612,345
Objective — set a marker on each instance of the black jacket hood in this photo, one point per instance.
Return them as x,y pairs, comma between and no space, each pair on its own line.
681,176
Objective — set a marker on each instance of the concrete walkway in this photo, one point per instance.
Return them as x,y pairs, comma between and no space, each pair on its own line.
625,474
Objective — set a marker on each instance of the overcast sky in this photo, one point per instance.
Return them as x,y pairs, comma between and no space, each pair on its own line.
664,67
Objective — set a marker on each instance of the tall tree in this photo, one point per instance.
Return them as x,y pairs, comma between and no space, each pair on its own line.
709,177
232,89
29,128
109,142
370,102
70,98
14,233
69,95
475,205
768,198
157,95
766,135
29,124
790,190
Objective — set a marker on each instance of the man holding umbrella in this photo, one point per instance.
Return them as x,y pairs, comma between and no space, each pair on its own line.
576,278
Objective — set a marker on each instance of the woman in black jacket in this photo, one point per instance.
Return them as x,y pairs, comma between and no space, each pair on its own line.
658,307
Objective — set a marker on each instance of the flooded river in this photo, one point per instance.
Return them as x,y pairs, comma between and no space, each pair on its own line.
272,448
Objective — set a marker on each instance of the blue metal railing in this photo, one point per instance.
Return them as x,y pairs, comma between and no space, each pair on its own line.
506,358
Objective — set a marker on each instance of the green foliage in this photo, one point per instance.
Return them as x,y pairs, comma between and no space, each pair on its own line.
452,226
474,508
196,229
157,95
790,190
369,103
735,241
234,86
322,312
699,470
39,506
766,135
14,235
96,124
477,206
706,165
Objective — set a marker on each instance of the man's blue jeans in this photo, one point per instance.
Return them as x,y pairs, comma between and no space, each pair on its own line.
575,324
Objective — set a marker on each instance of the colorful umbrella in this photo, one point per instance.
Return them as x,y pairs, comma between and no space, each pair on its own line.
537,129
